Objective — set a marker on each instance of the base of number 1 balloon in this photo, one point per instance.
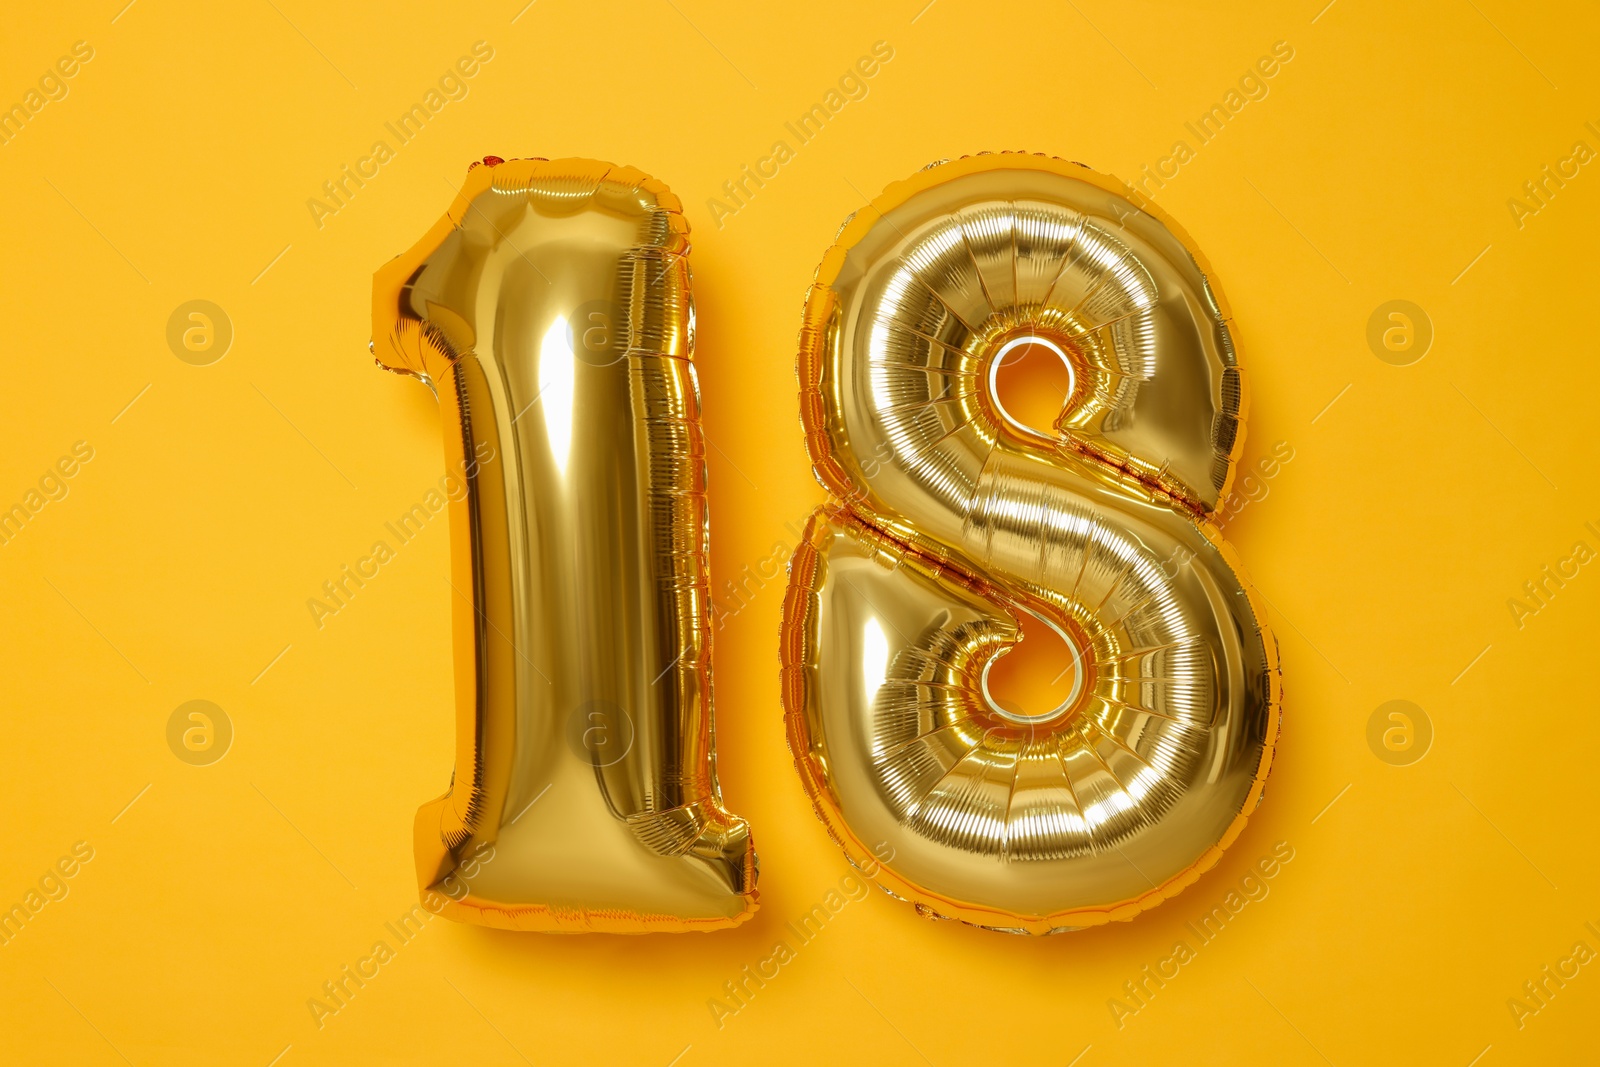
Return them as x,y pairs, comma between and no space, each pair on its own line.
954,519
550,311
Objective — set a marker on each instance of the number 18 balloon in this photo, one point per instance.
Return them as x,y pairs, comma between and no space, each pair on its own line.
954,519
550,311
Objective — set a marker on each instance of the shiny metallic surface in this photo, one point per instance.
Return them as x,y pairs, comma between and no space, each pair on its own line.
951,519
551,312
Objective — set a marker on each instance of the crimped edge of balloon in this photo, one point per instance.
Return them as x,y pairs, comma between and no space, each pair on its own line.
554,919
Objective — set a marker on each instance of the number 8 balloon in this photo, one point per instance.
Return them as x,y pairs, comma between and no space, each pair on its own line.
954,519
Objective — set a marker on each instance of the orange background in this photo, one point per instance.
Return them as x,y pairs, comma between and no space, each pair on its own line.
1420,498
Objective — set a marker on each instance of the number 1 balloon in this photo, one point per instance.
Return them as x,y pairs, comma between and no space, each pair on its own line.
954,519
550,311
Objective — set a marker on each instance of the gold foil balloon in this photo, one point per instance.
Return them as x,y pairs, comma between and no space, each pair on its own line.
956,522
550,311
